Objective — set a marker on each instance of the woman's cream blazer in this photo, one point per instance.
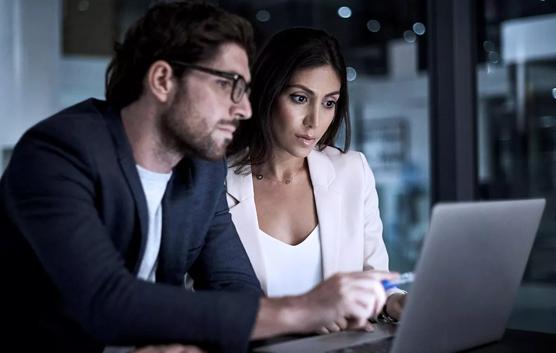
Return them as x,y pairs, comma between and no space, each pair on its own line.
347,210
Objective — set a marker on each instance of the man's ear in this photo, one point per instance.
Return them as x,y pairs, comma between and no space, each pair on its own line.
161,81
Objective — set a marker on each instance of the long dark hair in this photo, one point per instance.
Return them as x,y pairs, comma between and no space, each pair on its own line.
285,53
188,31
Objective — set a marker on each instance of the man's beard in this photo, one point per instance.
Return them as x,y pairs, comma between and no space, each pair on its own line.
188,134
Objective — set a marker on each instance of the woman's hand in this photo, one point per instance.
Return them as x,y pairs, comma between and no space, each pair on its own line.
343,325
350,322
347,300
395,304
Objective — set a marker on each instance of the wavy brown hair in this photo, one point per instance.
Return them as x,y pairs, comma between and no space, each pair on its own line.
187,31
284,54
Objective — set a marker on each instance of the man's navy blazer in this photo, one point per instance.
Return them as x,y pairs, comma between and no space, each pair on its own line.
73,222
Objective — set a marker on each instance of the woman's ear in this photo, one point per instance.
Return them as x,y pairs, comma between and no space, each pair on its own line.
160,81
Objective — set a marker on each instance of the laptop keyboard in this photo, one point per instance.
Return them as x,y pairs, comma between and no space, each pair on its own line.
381,346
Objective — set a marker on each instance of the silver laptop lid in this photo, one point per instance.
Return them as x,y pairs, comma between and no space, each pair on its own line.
468,274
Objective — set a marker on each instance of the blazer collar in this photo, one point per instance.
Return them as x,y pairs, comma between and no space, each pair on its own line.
240,186
321,169
129,169
326,200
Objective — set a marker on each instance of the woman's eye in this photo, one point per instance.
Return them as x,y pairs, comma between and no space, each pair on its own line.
330,104
298,98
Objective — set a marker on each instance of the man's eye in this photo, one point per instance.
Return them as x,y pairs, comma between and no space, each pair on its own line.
297,98
224,84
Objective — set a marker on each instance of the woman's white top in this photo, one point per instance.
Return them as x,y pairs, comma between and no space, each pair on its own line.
291,269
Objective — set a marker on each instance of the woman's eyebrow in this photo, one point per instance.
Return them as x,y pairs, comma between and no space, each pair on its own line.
310,91
332,93
305,88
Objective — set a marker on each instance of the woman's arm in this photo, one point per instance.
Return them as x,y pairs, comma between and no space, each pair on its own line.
375,256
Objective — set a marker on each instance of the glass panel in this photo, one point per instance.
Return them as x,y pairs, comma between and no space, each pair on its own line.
89,29
385,51
109,19
517,135
6,155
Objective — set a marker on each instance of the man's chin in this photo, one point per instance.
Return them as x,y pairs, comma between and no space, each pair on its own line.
212,157
215,153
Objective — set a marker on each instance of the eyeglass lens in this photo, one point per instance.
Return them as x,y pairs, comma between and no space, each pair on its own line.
239,90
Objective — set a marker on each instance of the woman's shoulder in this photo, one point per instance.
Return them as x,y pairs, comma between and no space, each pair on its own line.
350,167
337,157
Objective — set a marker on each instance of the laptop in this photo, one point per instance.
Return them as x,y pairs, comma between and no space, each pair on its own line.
466,282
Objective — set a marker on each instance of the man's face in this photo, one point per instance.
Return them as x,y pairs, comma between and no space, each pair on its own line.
202,117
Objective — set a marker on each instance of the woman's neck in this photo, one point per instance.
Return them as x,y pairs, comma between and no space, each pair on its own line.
281,168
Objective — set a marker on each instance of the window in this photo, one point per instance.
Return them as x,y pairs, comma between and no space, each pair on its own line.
517,134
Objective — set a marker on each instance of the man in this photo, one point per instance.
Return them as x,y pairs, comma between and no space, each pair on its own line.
106,206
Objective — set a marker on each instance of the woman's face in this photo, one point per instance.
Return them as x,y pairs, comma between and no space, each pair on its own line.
304,110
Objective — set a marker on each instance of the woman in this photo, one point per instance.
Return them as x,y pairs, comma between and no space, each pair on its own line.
304,209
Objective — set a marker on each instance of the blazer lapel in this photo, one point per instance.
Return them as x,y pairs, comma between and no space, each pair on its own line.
326,200
176,204
129,169
244,215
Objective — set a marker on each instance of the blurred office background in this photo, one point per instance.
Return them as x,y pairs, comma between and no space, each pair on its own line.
451,100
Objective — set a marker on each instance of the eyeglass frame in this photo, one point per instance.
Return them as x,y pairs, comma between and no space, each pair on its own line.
235,78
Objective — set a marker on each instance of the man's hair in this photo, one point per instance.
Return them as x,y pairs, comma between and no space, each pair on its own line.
283,55
187,31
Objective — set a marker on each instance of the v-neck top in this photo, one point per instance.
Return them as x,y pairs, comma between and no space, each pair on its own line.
291,269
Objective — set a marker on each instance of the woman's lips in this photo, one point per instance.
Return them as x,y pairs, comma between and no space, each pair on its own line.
305,139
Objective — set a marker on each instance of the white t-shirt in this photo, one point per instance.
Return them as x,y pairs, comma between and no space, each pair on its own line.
154,185
291,269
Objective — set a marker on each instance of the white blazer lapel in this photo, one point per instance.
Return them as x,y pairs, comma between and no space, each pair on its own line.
244,216
327,201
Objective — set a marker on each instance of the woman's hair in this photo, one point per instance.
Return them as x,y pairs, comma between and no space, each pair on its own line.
283,55
187,31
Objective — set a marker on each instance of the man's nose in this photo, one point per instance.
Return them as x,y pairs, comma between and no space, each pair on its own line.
243,108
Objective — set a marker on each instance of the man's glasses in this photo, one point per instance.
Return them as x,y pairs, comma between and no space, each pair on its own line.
239,86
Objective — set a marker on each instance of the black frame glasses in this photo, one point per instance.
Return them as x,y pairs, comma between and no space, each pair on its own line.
239,86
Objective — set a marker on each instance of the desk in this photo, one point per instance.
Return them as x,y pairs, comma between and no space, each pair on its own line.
514,341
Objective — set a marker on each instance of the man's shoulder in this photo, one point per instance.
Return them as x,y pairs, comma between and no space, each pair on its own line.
73,130
88,111
82,122
87,106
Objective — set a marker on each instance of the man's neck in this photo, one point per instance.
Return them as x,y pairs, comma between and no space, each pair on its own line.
140,124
